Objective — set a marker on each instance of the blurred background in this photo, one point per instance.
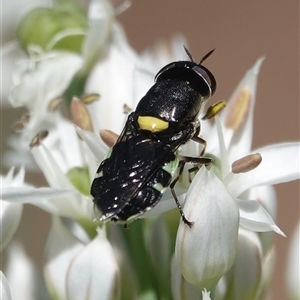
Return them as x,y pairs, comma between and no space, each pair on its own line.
241,32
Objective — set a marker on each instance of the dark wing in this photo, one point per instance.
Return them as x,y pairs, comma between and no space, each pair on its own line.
124,182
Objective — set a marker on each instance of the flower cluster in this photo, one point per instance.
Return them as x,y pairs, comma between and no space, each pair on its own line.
227,254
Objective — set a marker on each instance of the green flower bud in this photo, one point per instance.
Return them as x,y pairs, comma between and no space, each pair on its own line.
80,178
61,27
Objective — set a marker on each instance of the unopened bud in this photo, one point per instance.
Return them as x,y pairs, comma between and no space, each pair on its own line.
62,27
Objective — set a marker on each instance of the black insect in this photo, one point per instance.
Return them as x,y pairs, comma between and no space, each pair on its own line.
143,162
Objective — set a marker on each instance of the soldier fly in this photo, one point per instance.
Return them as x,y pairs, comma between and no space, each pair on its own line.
144,160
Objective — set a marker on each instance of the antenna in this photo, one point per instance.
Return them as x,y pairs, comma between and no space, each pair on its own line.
206,56
189,54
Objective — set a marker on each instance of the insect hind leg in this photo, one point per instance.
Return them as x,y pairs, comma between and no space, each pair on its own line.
182,162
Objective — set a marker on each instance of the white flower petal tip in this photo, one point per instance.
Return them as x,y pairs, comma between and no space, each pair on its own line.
256,68
207,250
96,145
254,217
276,229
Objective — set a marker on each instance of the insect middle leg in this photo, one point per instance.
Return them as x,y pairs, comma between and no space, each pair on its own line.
182,162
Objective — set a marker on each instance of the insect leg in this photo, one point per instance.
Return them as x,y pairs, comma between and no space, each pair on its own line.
182,162
201,141
184,219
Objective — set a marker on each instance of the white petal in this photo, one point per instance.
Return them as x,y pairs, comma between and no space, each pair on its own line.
101,17
50,167
5,291
64,144
10,216
254,217
45,82
239,142
96,145
13,181
207,250
245,275
61,248
101,274
280,163
163,52
266,196
115,80
20,273
62,202
293,265
268,267
181,289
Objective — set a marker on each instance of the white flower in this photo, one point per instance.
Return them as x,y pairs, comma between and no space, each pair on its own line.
204,258
207,251
45,76
77,267
85,262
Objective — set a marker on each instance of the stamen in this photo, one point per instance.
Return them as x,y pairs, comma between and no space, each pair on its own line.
36,141
246,163
126,109
20,125
80,114
55,104
108,137
238,109
90,98
214,110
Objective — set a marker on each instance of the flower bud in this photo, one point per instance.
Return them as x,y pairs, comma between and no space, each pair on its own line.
94,273
61,27
243,279
207,250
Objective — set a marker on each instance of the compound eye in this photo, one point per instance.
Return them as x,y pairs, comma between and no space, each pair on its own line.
164,69
208,79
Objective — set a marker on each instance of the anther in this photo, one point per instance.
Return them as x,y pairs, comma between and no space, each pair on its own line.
246,163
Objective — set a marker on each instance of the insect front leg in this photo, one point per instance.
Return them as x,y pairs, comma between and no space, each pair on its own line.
201,141
182,162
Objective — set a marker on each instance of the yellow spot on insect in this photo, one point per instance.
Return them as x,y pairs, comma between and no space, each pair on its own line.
152,124
238,109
